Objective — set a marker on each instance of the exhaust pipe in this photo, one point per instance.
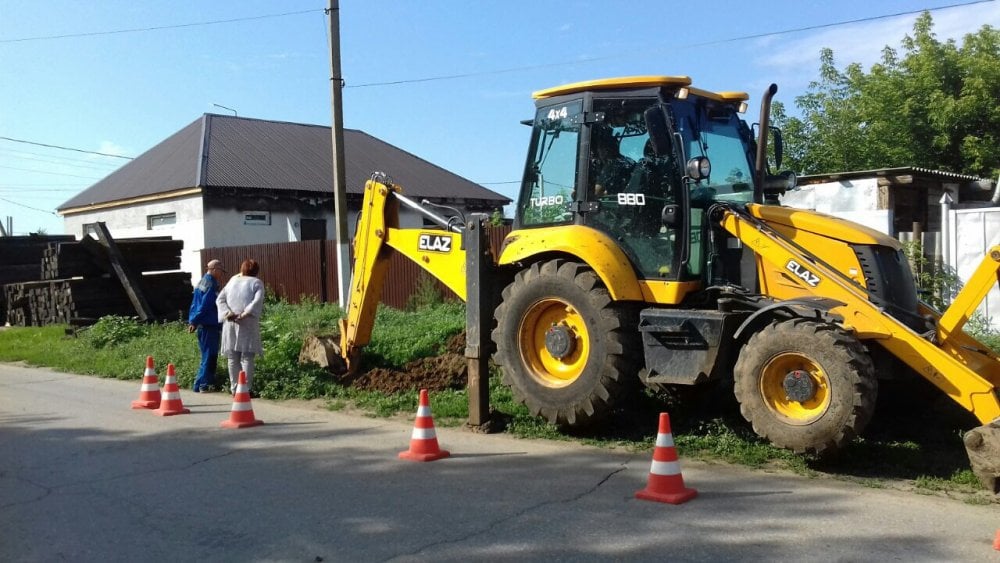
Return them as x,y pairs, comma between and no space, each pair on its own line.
760,166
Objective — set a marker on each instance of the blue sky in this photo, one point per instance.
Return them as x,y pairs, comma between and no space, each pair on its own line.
122,93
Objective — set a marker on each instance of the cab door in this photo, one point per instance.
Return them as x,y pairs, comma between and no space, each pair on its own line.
632,191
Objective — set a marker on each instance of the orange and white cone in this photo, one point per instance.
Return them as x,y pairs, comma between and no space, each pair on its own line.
665,481
170,403
241,415
423,440
149,392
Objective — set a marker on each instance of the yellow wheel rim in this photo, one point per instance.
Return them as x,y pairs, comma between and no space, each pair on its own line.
545,368
811,376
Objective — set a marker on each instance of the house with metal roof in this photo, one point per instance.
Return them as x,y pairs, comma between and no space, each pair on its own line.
226,180
892,200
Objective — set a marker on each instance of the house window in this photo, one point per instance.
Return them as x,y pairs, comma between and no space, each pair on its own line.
161,221
90,229
257,218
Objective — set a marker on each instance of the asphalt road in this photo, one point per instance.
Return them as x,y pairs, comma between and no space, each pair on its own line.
83,477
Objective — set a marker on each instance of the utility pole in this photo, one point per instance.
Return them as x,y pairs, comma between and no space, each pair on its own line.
339,174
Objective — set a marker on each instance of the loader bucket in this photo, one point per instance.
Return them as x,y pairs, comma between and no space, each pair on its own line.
983,446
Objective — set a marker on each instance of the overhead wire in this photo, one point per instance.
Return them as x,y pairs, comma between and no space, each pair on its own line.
36,143
65,159
157,28
633,54
49,211
440,77
47,172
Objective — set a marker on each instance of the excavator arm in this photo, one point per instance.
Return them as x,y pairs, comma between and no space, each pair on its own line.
949,358
439,252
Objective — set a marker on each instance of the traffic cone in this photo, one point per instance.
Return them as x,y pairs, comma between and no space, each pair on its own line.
241,415
996,541
149,392
171,403
423,440
665,481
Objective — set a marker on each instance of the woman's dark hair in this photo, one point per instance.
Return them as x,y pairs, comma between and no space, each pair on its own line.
249,267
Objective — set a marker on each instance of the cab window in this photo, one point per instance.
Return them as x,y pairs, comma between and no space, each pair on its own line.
547,191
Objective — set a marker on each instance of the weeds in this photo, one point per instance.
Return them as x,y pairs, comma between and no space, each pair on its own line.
899,444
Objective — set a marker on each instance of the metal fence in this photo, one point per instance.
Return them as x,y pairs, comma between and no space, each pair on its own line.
293,270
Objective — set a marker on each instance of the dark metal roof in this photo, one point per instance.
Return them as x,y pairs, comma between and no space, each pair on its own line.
237,152
924,172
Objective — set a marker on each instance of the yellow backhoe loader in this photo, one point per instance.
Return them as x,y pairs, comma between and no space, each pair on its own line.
648,245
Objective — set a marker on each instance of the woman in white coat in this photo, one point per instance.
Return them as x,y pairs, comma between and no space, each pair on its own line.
240,305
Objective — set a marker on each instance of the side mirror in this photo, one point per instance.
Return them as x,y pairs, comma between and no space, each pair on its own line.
779,147
659,135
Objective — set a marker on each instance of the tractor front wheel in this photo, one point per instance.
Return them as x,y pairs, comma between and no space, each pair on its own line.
562,344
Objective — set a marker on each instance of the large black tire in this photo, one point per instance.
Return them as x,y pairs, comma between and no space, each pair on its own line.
565,348
805,385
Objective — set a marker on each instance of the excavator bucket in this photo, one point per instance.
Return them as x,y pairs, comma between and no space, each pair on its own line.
983,446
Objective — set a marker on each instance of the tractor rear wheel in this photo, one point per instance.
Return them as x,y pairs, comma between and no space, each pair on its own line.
805,385
563,344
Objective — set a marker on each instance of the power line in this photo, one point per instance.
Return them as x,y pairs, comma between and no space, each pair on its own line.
28,206
20,190
633,54
47,172
44,185
64,148
96,166
156,28
86,160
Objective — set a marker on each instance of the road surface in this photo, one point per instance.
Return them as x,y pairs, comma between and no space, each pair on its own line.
83,477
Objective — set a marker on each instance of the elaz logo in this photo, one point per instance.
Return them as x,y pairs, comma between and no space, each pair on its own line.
802,273
434,243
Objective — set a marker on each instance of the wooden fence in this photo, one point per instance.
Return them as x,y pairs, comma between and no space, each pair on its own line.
309,268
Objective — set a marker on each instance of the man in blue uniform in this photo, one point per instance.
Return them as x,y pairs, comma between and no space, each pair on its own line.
204,318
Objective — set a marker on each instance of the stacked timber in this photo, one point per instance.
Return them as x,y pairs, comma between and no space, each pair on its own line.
78,282
62,260
83,301
20,259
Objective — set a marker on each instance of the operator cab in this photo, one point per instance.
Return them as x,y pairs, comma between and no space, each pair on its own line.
640,159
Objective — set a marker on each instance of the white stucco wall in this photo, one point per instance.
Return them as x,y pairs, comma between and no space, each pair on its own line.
200,228
226,227
130,221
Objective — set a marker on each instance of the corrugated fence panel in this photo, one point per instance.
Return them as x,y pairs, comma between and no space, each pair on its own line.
290,269
294,269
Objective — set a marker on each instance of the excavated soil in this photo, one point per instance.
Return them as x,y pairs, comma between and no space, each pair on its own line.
437,373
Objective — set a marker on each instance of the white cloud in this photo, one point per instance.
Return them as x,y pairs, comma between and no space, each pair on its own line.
793,60
110,147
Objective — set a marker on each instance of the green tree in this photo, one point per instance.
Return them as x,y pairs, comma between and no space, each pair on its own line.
936,106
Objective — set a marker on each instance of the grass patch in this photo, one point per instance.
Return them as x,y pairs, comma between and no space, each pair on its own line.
402,336
915,436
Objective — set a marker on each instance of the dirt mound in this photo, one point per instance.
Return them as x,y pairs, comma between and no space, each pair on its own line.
437,373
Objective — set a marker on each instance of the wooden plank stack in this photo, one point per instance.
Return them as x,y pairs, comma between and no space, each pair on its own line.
83,301
73,281
62,260
20,258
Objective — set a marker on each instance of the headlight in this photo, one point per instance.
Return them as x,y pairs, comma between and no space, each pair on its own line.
699,168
